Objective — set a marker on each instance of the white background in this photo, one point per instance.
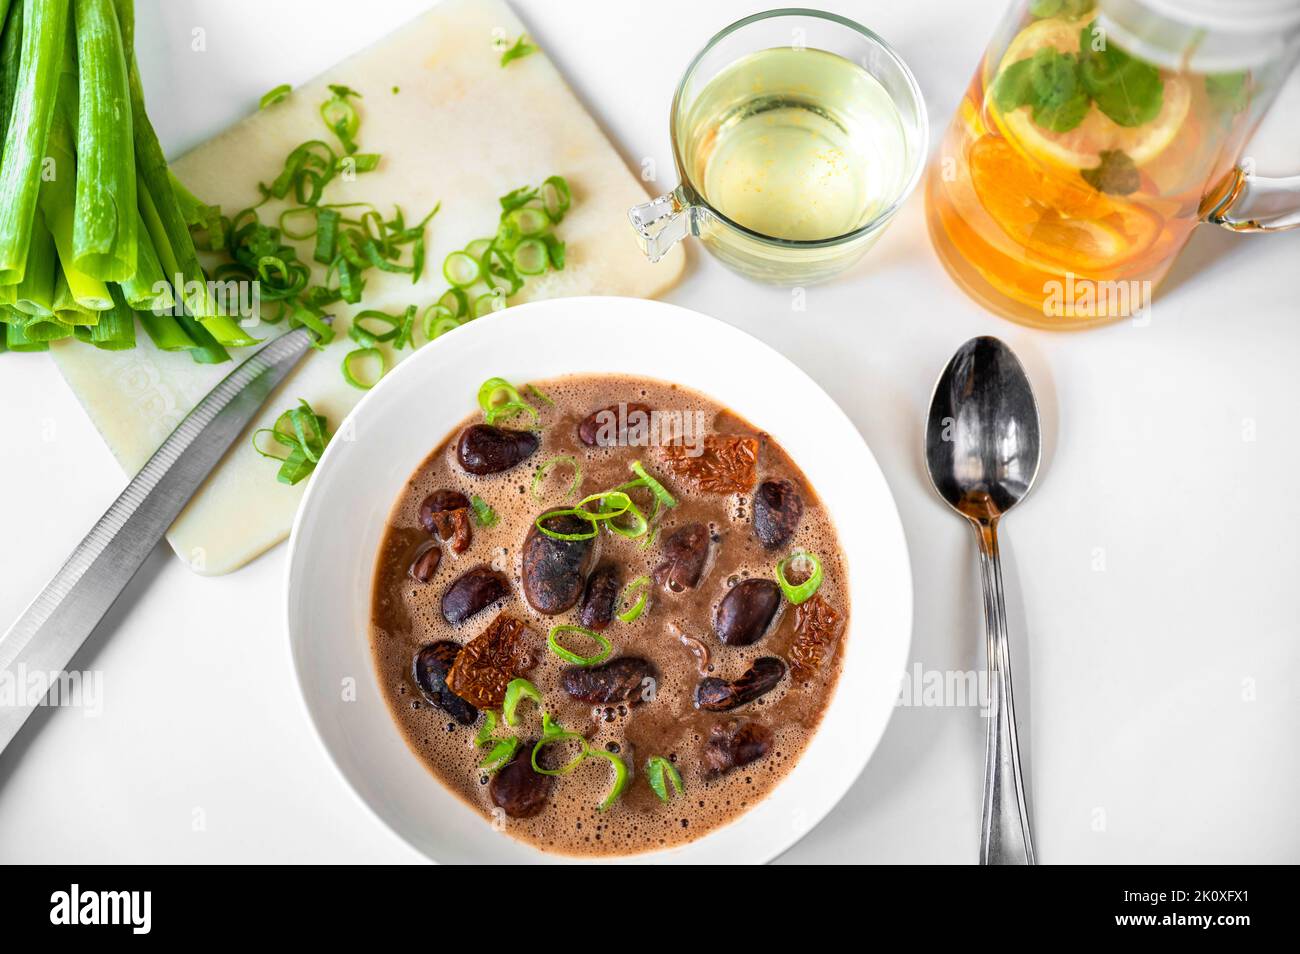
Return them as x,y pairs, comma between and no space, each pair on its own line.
1152,574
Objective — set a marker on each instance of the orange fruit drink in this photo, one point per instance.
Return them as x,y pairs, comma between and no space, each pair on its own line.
1073,171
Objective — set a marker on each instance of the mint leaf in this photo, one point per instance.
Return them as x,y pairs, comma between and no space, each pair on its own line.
1059,8
1014,87
1116,174
1047,82
1060,101
1228,92
1126,89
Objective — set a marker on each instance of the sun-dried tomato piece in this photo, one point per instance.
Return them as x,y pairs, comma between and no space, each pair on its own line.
727,464
487,663
816,629
453,524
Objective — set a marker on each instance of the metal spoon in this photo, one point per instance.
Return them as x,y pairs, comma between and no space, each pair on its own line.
982,449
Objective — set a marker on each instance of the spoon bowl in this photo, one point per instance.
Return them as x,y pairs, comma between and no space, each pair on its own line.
982,440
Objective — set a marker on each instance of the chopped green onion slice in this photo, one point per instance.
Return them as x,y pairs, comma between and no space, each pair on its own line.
273,96
461,269
553,733
487,729
620,776
477,248
503,750
556,198
641,586
530,256
366,382
540,395
516,692
556,535
302,431
546,468
631,524
528,220
660,772
499,399
656,488
798,593
484,515
489,302
568,655
455,301
438,321
612,503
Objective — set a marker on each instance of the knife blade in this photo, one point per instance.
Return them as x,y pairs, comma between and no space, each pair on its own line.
50,631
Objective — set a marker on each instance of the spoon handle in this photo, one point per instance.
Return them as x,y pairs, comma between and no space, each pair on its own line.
1005,838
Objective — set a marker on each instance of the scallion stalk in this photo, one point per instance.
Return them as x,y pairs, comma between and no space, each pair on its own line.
104,234
43,40
34,294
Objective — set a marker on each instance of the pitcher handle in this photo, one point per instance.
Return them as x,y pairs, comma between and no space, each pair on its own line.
661,223
1244,202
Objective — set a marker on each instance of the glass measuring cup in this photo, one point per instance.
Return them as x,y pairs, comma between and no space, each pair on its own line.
797,135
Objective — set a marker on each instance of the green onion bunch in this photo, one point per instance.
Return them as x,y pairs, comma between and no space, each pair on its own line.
93,228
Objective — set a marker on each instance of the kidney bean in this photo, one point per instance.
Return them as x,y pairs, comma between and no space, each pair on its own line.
472,591
619,680
516,788
485,449
685,552
430,668
734,743
554,570
600,597
778,508
425,564
745,612
603,427
719,695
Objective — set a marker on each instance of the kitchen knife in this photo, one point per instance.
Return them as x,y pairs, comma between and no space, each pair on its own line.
51,630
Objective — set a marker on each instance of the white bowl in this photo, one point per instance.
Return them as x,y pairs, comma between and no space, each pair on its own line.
337,531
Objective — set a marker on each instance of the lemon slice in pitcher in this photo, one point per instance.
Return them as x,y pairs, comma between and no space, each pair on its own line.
1081,147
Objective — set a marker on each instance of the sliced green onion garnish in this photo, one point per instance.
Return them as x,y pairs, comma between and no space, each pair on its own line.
552,734
798,593
302,431
630,524
455,301
660,773
568,655
556,198
537,392
620,776
641,586
528,220
484,515
546,468
366,382
489,302
367,336
487,729
461,269
530,256
556,535
438,321
612,503
503,750
516,692
656,488
499,399
476,248
273,96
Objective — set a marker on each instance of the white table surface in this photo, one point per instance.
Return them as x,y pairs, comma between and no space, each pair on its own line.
1152,574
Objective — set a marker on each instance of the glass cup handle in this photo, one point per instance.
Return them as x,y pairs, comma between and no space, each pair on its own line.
1244,202
661,223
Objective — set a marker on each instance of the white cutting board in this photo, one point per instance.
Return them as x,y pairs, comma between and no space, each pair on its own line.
462,131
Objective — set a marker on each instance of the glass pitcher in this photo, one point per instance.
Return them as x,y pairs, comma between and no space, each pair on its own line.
1093,137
